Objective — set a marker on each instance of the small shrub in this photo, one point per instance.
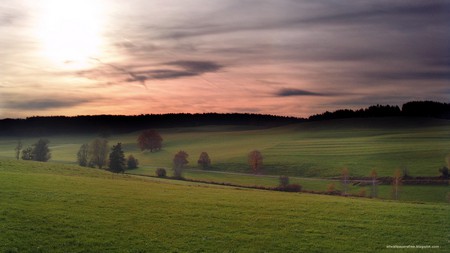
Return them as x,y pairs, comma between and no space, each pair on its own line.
160,172
331,189
293,188
289,188
132,163
444,172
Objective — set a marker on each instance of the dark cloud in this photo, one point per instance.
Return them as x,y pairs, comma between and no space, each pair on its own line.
297,92
199,67
384,13
397,14
411,75
44,104
133,77
169,73
184,69
174,70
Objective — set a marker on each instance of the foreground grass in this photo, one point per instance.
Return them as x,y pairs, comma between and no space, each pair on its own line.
48,207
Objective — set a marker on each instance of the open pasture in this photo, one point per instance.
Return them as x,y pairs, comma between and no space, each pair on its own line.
48,207
312,149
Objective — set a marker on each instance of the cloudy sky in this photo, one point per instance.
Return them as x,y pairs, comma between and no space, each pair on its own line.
286,57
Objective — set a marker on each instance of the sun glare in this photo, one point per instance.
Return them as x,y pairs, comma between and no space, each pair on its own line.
70,32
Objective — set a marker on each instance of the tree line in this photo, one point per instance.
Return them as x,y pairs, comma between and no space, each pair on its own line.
113,124
106,125
411,109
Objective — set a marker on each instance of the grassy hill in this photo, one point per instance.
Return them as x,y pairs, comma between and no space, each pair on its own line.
48,207
311,149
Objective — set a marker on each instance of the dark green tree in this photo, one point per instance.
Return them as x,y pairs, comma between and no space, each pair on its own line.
204,161
83,155
117,159
444,172
40,151
179,161
132,163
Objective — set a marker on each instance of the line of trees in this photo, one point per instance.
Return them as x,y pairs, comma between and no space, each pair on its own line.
410,109
110,124
99,154
39,151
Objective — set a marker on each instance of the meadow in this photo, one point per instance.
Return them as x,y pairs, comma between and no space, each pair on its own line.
53,207
311,149
310,153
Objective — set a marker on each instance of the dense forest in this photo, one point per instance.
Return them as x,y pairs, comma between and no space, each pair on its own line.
410,109
108,124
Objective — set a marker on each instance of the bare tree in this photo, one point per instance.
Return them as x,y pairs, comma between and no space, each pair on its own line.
255,160
98,152
284,181
27,153
396,182
83,155
374,190
345,180
18,149
179,161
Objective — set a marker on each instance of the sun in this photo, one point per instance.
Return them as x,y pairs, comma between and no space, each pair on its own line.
70,32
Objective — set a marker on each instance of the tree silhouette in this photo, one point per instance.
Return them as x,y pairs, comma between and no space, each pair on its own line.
179,161
255,160
204,161
18,149
83,155
345,180
98,152
27,153
132,163
150,140
40,151
117,159
396,182
373,176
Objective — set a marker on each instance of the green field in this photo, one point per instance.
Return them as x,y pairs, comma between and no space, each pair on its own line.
313,149
48,207
316,150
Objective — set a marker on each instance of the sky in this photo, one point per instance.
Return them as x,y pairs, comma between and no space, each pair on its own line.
283,57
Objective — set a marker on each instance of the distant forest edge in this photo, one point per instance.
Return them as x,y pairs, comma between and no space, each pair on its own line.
109,124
